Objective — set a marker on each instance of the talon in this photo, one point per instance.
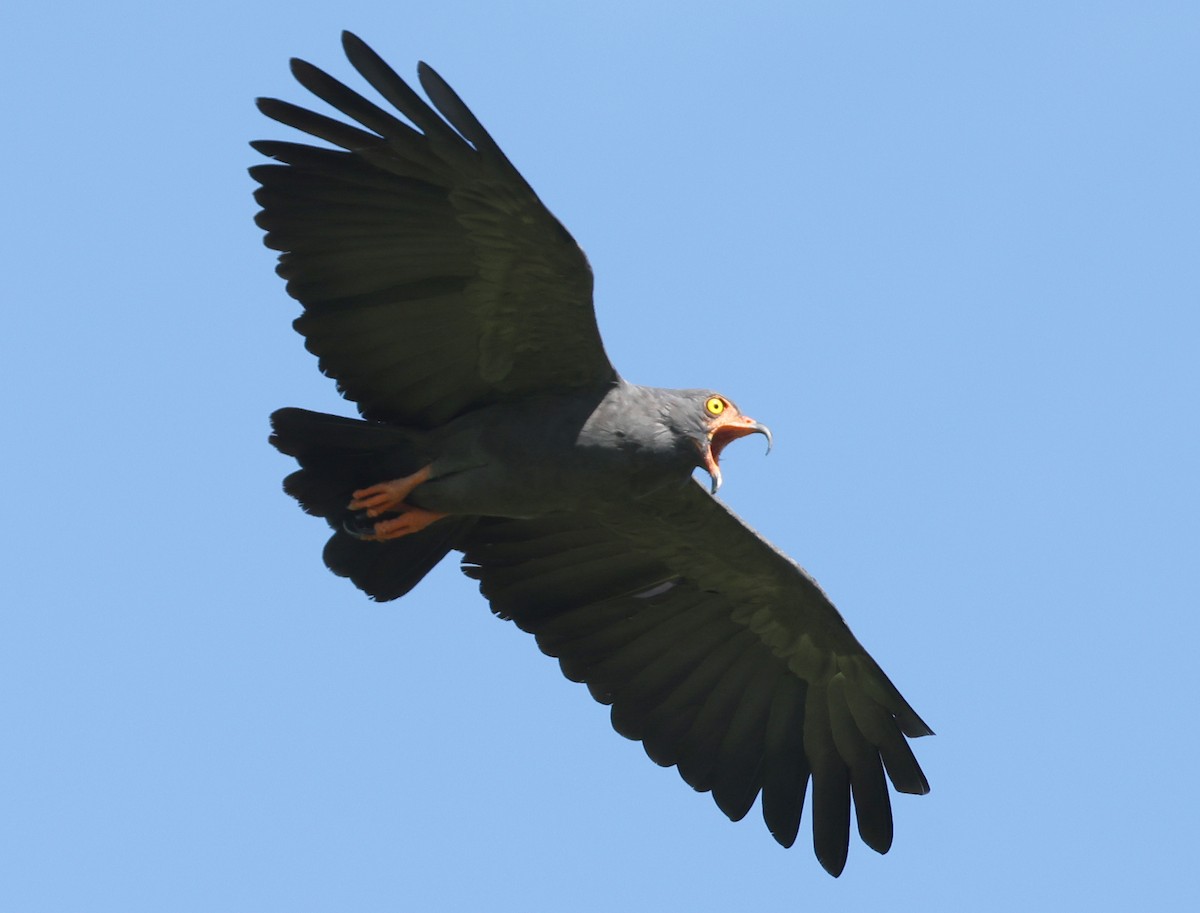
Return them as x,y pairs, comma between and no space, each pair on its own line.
359,529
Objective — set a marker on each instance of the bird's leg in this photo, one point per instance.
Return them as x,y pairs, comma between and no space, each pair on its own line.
411,520
387,496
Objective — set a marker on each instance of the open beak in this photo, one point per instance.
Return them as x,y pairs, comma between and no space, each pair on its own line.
722,432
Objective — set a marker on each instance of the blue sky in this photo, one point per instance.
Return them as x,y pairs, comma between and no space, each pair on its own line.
948,251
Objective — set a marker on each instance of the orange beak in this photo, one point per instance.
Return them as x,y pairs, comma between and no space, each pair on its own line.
726,428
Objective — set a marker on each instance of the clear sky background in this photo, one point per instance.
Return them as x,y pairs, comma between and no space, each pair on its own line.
948,251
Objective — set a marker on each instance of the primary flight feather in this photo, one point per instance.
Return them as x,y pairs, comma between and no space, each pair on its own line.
456,312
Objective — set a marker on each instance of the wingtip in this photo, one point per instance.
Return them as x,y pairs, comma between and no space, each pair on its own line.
913,726
428,75
300,68
834,865
359,53
273,108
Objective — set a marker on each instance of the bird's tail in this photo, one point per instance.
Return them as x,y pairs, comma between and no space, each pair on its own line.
339,455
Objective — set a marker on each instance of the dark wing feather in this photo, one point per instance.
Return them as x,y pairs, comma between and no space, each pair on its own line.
433,279
717,652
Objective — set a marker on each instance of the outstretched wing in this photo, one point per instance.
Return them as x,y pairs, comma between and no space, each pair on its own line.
433,279
717,652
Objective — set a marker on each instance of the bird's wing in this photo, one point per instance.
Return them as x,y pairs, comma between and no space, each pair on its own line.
432,277
717,652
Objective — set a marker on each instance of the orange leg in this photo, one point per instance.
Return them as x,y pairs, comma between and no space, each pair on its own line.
387,496
413,520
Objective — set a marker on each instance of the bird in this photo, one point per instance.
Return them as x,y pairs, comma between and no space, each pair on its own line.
456,312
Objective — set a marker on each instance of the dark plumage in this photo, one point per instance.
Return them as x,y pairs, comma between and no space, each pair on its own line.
452,307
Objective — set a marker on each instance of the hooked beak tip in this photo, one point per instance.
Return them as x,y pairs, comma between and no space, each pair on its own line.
759,428
766,432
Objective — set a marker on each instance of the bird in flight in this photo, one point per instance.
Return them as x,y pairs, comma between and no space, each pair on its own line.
456,312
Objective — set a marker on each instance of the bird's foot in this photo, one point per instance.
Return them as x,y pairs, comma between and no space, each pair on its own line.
412,520
387,496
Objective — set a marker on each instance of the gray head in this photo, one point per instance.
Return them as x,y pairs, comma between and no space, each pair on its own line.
708,422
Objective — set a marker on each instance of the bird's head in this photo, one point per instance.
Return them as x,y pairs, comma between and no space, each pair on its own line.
712,422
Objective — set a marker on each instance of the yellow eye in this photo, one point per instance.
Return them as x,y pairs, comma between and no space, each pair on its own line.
715,405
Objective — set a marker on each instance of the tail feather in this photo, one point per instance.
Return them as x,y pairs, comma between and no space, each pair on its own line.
339,455
388,570
302,433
